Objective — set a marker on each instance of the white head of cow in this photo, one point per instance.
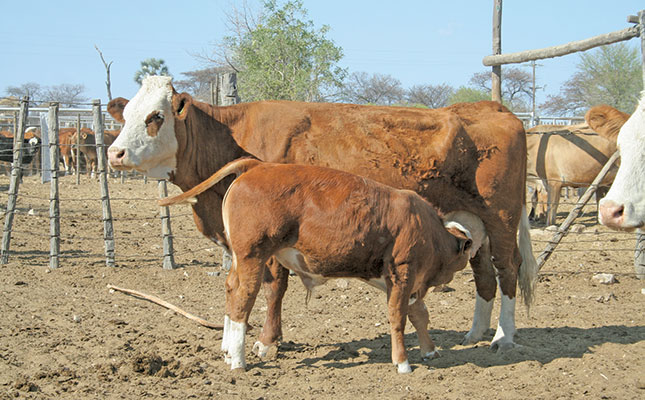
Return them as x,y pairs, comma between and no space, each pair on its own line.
147,142
624,205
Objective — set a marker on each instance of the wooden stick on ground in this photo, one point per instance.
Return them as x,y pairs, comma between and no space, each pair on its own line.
167,305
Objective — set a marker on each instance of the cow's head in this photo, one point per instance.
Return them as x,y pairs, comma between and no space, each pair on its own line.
147,142
624,205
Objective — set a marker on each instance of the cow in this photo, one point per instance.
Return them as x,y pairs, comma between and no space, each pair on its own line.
67,148
469,156
88,146
565,156
623,208
30,147
322,224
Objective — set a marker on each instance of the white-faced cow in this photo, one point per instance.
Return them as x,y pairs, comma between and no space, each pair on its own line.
469,156
322,224
624,205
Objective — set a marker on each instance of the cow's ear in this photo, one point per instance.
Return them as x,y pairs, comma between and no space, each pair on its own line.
115,108
180,104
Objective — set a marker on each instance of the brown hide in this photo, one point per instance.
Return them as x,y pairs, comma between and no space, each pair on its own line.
368,231
606,121
88,146
466,157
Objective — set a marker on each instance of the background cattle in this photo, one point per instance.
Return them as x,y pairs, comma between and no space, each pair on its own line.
571,156
30,147
88,147
469,156
323,224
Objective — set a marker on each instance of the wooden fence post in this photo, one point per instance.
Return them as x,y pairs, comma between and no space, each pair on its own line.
496,75
16,173
166,231
54,207
639,251
108,227
78,150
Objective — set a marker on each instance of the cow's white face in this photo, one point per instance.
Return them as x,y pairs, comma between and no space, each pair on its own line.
147,142
624,205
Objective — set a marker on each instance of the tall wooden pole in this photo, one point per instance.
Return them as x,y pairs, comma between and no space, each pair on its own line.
496,76
16,173
54,206
108,227
166,231
639,251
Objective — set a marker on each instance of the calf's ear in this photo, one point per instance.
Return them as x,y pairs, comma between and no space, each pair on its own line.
464,241
115,108
180,104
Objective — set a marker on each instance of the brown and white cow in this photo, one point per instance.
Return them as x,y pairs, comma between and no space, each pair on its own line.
88,147
624,205
469,156
322,224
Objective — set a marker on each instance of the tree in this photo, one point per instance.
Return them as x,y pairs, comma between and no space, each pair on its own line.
362,88
468,95
198,83
608,75
107,66
68,95
282,56
31,89
517,87
151,66
431,96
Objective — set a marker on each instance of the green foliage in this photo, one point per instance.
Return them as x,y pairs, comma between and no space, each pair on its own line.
151,66
609,75
284,57
468,95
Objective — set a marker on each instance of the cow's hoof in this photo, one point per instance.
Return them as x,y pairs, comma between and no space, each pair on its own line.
260,349
502,347
404,367
471,339
430,355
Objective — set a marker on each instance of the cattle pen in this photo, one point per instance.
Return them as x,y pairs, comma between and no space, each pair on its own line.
497,59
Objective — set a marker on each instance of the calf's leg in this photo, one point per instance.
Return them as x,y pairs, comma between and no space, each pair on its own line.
398,295
242,286
275,284
418,316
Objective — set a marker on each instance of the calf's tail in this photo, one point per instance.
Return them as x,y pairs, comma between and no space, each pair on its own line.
528,269
237,167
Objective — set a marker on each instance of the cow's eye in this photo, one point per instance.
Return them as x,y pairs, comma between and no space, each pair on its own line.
154,120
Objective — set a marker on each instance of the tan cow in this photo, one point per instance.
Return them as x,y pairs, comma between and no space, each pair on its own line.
323,224
572,156
469,156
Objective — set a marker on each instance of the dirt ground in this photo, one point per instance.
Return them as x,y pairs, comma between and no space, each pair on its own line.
64,335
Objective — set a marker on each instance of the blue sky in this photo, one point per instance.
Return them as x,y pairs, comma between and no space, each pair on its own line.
417,42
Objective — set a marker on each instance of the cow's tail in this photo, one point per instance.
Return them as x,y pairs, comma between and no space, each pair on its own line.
529,268
237,167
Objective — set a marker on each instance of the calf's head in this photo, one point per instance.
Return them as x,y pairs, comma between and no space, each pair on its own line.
147,142
624,205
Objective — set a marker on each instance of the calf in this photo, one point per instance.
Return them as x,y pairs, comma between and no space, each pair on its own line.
322,224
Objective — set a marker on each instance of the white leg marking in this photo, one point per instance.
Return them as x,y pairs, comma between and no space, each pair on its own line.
430,355
237,331
225,333
481,320
260,349
503,339
404,367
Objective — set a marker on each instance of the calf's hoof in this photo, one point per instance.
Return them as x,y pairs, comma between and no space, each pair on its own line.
260,349
404,367
430,355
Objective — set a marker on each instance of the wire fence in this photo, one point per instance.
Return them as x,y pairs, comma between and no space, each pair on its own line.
138,230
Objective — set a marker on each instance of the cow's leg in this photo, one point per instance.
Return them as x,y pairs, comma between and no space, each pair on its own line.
507,262
418,316
276,279
486,285
242,286
554,189
398,296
